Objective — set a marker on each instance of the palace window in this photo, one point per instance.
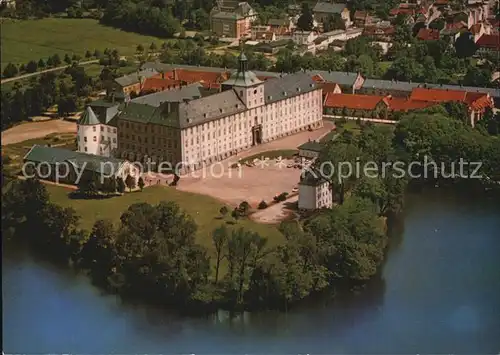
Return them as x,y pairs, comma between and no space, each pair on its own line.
95,139
85,139
102,129
93,128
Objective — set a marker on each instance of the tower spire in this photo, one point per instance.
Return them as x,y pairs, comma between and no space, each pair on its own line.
242,59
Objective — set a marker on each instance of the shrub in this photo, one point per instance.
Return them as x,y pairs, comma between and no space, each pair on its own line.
6,159
243,208
281,197
223,210
262,205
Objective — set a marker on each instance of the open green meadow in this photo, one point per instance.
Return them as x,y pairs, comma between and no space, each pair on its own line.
26,40
204,210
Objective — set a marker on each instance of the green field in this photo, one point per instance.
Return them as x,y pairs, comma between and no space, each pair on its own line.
27,40
204,210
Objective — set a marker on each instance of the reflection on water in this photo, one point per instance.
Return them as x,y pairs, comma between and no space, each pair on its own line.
438,292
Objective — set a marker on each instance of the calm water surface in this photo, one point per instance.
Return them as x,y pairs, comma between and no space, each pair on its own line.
439,292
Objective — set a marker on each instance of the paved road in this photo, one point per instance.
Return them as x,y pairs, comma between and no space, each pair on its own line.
46,71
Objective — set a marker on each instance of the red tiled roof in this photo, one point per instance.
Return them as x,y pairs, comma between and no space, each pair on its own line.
208,85
159,84
360,15
318,78
437,95
192,76
478,101
405,104
329,87
427,34
474,100
267,35
475,29
456,25
376,30
440,2
352,101
489,41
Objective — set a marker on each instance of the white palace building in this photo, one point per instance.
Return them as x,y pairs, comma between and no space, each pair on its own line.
203,127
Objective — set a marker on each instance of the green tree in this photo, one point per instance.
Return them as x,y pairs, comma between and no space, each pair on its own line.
465,45
305,21
244,207
223,211
219,239
140,49
337,162
31,67
10,70
41,63
67,58
477,77
99,254
153,47
120,185
244,248
56,60
140,183
130,182
88,54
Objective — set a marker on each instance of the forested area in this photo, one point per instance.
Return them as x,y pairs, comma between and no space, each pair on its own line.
69,90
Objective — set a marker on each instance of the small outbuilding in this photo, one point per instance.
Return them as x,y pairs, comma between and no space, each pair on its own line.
310,150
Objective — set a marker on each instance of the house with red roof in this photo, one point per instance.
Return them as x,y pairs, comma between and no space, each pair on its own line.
476,102
428,34
378,32
489,43
355,105
477,31
159,84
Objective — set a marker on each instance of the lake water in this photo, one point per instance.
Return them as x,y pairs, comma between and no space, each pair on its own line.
439,292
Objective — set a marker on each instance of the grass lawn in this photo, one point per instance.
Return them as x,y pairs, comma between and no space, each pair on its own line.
351,126
384,66
204,210
26,40
272,154
329,136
